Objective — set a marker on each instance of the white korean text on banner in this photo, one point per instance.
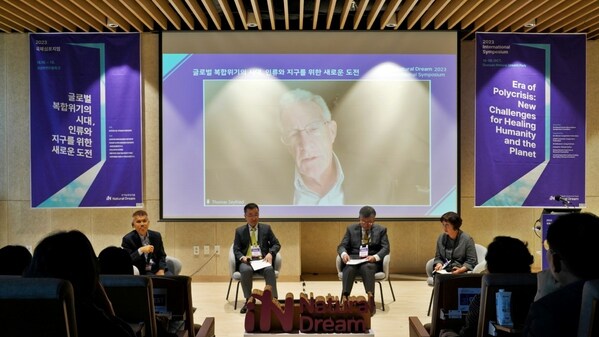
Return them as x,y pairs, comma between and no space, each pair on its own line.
85,93
530,120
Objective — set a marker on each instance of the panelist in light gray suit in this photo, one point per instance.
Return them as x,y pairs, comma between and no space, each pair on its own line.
364,240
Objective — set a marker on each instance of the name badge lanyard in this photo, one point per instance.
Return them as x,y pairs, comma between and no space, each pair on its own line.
255,247
364,245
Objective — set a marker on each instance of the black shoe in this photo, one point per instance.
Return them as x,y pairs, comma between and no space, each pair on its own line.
243,309
372,306
344,297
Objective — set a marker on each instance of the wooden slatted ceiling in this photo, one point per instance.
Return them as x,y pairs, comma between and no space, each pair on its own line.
467,16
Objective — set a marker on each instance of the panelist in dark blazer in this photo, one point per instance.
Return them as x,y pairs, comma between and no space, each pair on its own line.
145,246
456,251
253,241
364,240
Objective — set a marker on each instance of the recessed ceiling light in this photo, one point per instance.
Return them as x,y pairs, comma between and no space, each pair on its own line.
531,23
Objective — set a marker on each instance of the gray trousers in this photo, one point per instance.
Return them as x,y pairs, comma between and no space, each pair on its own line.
365,270
247,278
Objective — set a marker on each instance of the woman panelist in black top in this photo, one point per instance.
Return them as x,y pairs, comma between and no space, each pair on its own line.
456,253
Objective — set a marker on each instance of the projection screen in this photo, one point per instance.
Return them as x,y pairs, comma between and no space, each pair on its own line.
227,137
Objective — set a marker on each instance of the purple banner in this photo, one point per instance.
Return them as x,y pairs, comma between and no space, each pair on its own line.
85,93
530,120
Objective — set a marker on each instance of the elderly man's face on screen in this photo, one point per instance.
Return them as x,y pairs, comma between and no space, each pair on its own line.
308,137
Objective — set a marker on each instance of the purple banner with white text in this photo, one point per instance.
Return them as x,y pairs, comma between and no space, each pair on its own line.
530,120
85,94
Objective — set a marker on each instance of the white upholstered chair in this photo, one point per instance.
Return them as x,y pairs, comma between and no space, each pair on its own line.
236,275
174,265
378,277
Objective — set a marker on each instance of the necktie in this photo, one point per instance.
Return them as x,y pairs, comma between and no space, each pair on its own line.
365,238
254,242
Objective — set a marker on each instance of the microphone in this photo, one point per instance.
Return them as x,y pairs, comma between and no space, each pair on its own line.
561,198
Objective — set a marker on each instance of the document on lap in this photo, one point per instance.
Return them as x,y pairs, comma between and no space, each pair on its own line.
259,264
442,270
356,261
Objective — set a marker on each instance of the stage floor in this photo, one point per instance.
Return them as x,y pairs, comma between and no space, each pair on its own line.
411,292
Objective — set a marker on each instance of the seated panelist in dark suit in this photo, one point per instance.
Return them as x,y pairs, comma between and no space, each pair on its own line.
253,241
145,246
364,240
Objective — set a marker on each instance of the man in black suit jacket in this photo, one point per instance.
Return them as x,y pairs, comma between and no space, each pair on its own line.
364,240
145,246
265,247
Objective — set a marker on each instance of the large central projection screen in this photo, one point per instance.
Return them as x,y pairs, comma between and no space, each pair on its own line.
393,126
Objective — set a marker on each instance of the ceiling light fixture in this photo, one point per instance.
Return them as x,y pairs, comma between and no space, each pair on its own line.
392,23
111,23
530,24
251,20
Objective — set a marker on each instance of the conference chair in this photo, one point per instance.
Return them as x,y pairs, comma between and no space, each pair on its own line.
588,325
236,275
174,265
446,300
481,252
523,288
37,307
176,299
379,277
132,299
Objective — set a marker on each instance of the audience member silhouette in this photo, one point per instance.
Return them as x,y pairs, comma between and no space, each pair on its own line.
571,256
504,255
15,259
115,261
70,256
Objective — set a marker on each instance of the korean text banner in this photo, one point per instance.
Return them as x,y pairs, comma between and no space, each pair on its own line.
85,96
530,120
